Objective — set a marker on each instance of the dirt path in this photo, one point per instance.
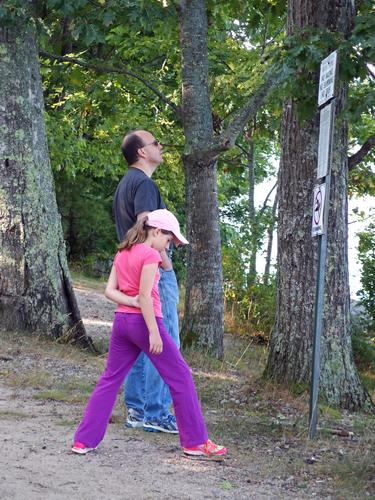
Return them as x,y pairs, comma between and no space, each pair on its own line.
36,462
38,422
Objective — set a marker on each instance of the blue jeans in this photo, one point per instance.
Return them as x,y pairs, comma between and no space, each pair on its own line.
145,392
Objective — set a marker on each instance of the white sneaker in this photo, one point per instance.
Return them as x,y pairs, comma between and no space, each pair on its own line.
133,421
81,449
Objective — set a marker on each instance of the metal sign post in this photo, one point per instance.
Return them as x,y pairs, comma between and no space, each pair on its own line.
328,71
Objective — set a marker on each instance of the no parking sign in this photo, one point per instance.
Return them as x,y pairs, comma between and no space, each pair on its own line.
318,210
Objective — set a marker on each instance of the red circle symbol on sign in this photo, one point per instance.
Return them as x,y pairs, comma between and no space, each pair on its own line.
317,207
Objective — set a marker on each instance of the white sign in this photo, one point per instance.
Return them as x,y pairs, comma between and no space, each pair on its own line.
326,115
327,78
318,210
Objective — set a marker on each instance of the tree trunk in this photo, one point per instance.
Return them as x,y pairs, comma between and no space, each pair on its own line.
35,288
291,342
204,313
339,380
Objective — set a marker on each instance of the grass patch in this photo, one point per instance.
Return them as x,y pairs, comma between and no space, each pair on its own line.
35,378
355,474
243,429
368,379
201,360
43,346
10,415
329,412
214,378
57,395
68,422
299,388
102,345
78,385
363,424
226,485
83,281
73,391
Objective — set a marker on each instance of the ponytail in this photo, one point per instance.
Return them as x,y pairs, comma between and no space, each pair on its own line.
136,234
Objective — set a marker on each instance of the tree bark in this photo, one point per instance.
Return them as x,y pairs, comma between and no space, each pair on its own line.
291,343
204,312
36,294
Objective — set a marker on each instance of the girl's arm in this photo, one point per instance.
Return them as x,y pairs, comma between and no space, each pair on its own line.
113,293
145,301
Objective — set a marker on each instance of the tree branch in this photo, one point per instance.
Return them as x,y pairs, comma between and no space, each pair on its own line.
369,71
362,219
244,151
264,206
360,155
111,69
228,137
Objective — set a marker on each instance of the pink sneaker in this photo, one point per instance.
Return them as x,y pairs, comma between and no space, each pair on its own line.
208,450
80,448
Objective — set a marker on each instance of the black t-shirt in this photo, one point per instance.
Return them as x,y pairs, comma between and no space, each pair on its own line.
136,193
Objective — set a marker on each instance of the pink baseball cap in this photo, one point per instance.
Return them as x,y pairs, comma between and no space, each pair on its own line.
164,219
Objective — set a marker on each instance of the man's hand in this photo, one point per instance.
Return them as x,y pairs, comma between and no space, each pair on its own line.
156,344
166,262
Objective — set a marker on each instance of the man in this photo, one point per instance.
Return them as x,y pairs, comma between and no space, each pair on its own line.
147,397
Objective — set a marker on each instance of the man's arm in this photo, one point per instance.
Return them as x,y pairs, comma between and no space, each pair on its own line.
166,263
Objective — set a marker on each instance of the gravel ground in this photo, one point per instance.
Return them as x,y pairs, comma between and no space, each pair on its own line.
36,462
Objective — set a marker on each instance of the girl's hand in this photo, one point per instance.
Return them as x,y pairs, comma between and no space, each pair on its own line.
156,344
135,301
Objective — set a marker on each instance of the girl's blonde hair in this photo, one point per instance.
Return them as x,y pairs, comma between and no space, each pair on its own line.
138,234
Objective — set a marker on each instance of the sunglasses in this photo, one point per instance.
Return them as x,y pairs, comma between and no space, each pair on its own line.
153,143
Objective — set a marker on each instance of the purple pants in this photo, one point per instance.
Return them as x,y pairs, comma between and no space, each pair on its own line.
129,337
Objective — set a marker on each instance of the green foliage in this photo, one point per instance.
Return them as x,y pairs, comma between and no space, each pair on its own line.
11,11
234,264
363,328
362,177
262,308
250,309
296,59
363,342
241,37
85,204
241,236
366,255
88,112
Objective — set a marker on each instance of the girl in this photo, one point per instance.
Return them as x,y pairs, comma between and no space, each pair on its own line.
135,329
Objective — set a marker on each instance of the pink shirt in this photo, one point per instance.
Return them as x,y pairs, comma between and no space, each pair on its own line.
128,265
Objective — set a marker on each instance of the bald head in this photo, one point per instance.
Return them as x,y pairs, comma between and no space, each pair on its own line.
141,148
131,143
